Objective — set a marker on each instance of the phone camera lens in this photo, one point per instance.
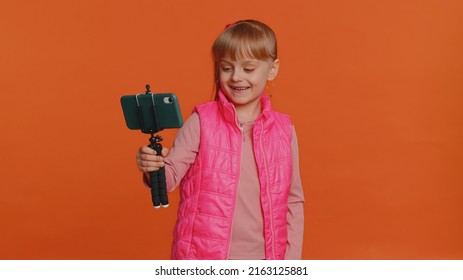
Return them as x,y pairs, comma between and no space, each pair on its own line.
168,100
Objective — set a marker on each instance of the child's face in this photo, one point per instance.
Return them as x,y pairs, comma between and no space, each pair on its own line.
244,80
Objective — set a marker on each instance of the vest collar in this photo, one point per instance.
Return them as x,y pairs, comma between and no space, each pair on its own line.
228,109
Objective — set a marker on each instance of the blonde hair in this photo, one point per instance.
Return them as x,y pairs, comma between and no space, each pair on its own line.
245,38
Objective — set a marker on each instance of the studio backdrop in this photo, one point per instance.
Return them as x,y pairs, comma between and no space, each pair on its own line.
374,89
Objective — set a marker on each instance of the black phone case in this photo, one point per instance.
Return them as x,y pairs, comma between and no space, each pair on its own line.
166,106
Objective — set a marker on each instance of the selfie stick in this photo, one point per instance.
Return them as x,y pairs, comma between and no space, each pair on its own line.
157,178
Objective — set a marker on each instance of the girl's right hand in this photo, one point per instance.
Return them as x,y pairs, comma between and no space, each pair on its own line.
148,160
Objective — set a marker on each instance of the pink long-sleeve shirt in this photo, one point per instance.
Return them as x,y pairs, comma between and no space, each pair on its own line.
247,238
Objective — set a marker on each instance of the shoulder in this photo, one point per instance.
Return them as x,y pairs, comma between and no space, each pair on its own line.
283,117
209,114
205,107
283,123
190,128
193,120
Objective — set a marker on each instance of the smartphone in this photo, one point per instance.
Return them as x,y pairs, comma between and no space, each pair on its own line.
151,112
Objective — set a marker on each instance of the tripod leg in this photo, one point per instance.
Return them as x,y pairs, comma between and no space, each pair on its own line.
158,184
161,179
162,187
154,184
154,178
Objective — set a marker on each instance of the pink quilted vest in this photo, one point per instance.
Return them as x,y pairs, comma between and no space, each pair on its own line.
208,190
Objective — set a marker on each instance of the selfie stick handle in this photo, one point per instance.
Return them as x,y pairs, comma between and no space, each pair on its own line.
158,178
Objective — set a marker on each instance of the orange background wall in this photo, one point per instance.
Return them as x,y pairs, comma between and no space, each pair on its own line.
374,89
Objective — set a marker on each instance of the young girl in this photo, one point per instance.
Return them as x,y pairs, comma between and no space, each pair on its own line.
236,160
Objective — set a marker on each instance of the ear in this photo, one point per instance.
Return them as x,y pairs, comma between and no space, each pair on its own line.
274,70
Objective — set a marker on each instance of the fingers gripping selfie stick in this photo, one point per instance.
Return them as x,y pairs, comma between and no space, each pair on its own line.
157,178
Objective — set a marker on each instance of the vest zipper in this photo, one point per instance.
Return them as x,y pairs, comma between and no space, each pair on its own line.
237,184
268,189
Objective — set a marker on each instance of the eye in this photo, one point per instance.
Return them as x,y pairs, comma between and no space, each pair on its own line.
249,69
226,68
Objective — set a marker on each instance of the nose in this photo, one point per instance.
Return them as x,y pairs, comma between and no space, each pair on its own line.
236,76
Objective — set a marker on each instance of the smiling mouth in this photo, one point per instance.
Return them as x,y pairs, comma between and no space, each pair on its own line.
239,88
